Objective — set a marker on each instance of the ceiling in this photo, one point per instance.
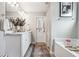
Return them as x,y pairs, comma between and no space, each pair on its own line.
30,7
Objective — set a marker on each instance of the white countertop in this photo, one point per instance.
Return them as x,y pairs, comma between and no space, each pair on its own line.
15,33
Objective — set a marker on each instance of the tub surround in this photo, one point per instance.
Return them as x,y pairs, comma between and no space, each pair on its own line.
65,52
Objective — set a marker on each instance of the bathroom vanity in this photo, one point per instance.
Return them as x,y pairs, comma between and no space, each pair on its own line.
17,43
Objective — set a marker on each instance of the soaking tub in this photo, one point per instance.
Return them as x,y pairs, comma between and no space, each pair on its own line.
61,51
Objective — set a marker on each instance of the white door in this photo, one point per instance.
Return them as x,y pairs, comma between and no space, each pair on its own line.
40,29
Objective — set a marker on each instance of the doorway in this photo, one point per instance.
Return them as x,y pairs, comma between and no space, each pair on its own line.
40,29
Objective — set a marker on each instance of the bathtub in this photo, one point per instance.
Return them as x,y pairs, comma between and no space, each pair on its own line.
61,51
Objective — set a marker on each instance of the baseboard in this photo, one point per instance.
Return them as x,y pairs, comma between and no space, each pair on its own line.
51,51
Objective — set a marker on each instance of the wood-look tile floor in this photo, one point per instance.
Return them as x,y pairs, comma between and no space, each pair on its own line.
40,51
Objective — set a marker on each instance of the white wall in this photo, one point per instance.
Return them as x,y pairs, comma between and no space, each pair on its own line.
2,14
48,26
2,8
61,27
65,27
51,17
78,19
54,16
12,14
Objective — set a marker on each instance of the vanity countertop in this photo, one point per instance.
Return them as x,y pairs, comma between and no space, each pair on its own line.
16,33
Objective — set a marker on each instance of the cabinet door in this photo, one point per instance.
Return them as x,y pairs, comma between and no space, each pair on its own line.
24,45
13,45
2,44
26,40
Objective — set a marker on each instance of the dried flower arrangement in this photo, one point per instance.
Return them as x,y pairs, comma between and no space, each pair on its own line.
17,22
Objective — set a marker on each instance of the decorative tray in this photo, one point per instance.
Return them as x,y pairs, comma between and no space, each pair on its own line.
73,48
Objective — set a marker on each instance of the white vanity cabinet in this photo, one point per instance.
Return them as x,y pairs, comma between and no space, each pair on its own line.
17,43
2,44
26,41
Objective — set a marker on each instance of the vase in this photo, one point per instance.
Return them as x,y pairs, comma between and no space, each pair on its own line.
21,28
15,28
